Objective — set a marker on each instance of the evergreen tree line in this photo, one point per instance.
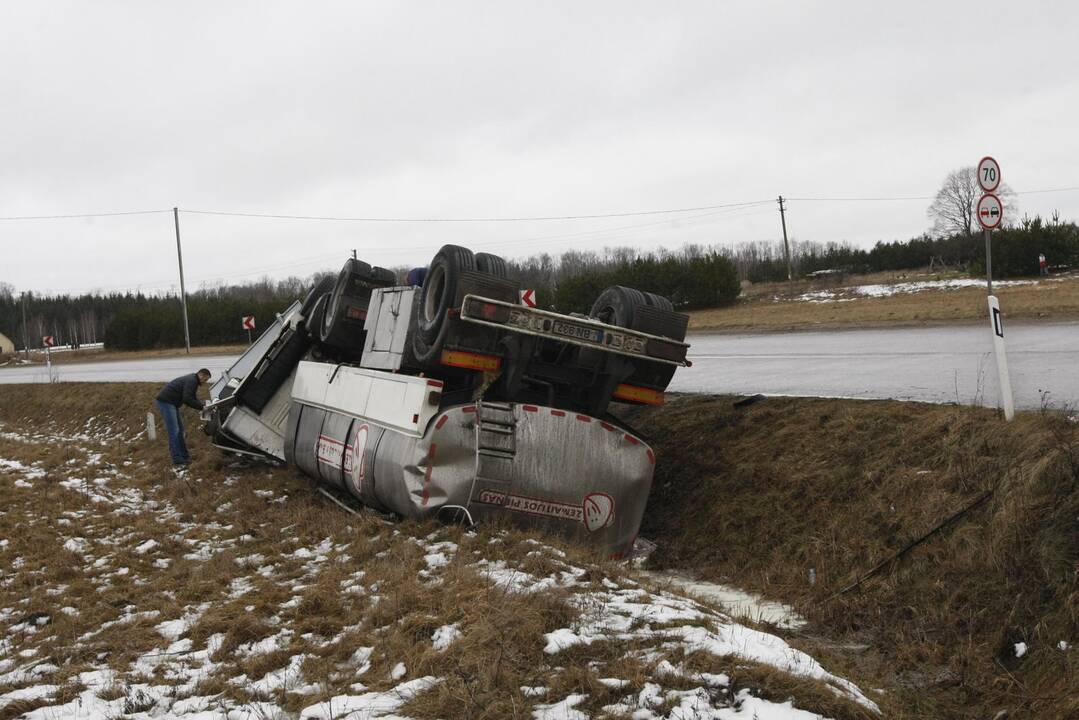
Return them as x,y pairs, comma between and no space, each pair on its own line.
692,277
130,321
1015,253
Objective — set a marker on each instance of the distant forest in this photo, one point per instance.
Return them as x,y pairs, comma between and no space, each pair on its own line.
693,277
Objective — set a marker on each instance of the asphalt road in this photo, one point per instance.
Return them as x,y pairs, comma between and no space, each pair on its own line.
145,370
942,364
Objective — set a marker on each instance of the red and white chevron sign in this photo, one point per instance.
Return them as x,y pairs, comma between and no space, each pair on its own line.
249,322
48,341
528,297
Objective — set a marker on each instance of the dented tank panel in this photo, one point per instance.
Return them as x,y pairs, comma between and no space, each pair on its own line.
330,448
359,462
538,466
308,428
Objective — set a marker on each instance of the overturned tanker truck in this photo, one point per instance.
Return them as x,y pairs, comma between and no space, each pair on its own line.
449,396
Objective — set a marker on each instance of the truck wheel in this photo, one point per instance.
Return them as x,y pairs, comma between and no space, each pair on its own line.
346,308
658,301
440,289
492,265
322,287
313,320
340,288
617,305
382,275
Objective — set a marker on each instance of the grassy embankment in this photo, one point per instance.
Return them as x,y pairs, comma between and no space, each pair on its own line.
774,307
237,588
757,496
754,496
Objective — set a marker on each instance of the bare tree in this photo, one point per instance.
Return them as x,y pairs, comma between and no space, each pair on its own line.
952,211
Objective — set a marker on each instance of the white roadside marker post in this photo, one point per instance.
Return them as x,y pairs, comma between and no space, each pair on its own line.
47,342
990,213
151,427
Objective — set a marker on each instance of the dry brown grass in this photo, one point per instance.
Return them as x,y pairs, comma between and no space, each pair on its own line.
236,513
769,307
758,496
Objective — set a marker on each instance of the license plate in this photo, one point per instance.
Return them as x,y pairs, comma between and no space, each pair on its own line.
579,332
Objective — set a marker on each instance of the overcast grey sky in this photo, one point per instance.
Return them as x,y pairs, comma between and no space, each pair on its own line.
505,109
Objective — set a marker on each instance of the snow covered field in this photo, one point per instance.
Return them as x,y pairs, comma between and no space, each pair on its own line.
853,292
235,592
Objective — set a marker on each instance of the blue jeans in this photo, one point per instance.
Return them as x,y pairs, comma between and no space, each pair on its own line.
174,428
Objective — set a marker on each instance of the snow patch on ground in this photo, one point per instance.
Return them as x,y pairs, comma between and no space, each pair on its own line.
666,620
738,603
368,705
444,637
846,294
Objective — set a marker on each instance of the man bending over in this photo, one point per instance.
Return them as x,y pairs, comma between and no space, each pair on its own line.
180,391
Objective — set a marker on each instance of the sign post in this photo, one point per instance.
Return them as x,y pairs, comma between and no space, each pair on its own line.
248,323
990,214
47,342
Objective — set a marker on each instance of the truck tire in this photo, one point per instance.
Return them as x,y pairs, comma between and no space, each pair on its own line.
630,308
346,309
333,305
440,289
313,321
618,305
658,301
322,287
382,275
492,265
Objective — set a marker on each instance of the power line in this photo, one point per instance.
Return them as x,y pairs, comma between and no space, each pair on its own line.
913,197
85,215
859,199
737,211
163,284
1036,192
160,284
539,218
730,212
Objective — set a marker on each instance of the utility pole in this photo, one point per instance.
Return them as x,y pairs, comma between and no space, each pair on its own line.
25,333
183,291
786,244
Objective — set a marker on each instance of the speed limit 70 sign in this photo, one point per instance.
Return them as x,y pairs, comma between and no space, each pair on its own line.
988,174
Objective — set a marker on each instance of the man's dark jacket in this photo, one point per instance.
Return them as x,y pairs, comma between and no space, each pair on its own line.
181,391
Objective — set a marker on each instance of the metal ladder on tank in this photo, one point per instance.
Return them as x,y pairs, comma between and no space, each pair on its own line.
496,450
